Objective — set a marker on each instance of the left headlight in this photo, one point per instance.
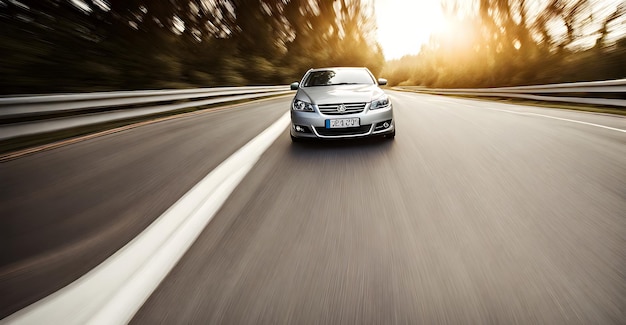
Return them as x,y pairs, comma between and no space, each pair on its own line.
382,102
299,105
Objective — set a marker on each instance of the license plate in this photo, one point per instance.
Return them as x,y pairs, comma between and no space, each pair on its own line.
342,123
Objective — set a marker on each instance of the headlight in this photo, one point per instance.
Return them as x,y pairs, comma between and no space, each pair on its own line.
299,105
382,102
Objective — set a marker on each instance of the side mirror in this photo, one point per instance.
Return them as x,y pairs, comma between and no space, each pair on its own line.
382,81
294,86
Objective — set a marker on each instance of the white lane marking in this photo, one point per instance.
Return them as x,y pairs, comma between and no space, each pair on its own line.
555,118
546,116
114,291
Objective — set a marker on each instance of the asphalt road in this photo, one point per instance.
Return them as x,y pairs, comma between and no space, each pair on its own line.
477,212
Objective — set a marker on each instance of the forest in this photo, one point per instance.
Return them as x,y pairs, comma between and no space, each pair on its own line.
97,45
51,46
494,43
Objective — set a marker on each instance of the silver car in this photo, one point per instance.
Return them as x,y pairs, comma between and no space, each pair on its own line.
335,103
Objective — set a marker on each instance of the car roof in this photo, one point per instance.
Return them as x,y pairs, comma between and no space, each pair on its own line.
338,68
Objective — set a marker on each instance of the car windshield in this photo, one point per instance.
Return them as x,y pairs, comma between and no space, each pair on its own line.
338,77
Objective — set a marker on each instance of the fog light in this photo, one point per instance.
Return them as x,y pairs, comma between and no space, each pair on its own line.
299,128
386,125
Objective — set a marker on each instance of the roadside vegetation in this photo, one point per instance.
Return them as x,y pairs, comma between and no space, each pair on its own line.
97,45
494,43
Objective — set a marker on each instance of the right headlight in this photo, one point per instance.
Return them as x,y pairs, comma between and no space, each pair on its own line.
381,102
299,105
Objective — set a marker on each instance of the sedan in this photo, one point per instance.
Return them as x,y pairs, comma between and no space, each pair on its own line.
338,103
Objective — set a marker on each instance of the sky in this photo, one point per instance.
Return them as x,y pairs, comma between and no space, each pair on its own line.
404,25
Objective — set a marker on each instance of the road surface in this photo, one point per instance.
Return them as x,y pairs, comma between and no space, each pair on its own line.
477,212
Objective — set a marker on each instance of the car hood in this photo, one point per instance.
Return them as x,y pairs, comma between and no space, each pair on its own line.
339,94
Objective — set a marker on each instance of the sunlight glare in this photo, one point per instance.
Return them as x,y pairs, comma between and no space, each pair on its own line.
404,25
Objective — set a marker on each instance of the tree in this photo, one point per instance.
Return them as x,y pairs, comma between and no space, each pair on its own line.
76,45
515,42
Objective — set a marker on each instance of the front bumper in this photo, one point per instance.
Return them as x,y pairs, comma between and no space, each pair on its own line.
313,124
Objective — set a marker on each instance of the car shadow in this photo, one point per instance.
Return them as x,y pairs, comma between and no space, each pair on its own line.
343,147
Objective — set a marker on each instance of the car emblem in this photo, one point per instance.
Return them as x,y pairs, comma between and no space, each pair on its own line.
341,108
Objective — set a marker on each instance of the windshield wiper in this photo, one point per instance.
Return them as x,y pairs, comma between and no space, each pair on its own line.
337,84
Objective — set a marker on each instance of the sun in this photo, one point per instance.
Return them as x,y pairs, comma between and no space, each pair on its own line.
405,25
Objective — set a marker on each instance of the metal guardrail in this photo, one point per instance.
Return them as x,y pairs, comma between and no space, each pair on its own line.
31,115
22,116
577,91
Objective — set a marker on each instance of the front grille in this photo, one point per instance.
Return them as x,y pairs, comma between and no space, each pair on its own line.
333,109
347,131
